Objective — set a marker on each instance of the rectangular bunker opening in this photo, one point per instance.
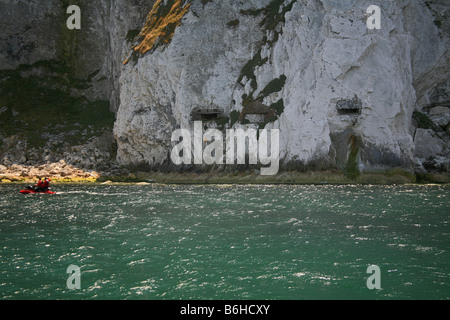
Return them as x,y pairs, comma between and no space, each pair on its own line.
199,114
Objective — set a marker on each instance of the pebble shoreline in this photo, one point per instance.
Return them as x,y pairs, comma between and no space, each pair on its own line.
61,172
57,172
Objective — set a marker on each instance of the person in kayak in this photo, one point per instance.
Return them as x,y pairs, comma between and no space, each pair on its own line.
45,184
39,184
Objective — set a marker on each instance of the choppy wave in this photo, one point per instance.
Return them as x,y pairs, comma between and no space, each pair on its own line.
225,242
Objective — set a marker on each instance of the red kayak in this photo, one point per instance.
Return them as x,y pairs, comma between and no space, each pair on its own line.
29,191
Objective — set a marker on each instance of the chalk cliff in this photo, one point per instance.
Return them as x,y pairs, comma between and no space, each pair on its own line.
329,84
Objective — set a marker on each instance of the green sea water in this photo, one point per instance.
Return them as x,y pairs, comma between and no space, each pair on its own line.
225,242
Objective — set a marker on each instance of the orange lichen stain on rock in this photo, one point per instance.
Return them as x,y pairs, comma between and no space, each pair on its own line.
160,26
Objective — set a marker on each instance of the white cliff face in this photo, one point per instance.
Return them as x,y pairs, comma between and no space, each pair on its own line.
117,19
343,83
198,68
328,55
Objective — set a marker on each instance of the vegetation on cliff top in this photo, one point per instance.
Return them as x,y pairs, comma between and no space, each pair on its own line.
159,29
